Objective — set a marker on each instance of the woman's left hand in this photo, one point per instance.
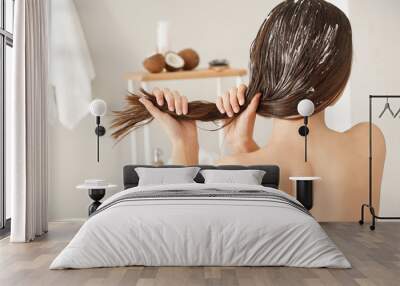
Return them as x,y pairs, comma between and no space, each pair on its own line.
182,133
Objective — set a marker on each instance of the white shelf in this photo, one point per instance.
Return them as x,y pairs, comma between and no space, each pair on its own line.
305,178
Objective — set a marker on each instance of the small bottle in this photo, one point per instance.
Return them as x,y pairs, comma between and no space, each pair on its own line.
157,161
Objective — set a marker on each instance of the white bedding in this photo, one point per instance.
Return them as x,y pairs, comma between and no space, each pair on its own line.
200,231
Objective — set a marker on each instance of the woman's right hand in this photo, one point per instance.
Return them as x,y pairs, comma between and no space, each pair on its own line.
182,133
238,135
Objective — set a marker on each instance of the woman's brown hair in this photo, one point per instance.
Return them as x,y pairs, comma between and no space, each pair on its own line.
302,50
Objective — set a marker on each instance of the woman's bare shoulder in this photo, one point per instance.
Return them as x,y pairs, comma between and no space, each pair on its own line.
359,135
362,130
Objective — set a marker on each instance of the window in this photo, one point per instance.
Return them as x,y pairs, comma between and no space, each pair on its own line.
6,44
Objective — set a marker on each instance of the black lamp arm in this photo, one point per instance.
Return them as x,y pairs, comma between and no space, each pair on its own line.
99,131
303,131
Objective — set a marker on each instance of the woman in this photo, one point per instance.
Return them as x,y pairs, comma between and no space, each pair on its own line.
302,50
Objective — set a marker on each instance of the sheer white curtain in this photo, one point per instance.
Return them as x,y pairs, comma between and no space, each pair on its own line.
71,66
28,121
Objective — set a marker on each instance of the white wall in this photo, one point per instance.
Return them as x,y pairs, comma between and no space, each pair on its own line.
338,117
120,33
376,32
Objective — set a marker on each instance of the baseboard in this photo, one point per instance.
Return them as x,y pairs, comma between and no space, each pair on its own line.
68,220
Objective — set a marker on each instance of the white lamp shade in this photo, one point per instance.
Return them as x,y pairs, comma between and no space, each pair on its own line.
305,107
98,107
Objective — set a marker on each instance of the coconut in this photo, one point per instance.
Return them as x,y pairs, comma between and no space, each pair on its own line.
173,61
154,63
191,58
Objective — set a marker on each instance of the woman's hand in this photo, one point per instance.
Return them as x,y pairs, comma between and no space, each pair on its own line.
182,134
239,134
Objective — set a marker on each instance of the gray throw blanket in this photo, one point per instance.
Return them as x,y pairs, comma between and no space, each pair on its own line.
206,194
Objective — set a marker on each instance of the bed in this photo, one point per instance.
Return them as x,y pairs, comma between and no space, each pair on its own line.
198,224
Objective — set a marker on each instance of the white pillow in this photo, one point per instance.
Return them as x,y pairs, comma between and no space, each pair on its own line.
247,177
166,176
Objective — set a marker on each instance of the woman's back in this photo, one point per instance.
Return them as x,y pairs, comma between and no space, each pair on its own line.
340,159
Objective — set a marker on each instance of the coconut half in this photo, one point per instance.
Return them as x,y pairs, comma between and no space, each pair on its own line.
173,61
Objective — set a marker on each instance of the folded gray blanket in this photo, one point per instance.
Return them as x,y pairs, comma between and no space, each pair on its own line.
207,194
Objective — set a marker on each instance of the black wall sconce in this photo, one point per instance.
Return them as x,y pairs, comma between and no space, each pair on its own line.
305,108
98,108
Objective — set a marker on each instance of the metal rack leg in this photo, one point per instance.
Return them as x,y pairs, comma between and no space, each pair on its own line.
361,221
374,216
372,210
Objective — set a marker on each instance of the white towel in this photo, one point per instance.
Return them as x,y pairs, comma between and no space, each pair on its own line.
71,67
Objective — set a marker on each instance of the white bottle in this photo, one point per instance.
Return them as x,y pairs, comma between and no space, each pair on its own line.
157,161
163,37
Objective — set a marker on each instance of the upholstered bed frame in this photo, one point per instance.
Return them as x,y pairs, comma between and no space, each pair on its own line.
271,177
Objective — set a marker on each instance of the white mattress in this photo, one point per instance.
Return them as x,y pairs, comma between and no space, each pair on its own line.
200,231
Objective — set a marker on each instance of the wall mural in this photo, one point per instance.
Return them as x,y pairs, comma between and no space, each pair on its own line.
292,58
222,92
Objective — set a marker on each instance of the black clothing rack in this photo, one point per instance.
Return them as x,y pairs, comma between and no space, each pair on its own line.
369,205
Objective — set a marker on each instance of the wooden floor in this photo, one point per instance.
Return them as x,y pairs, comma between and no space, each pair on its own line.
375,257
